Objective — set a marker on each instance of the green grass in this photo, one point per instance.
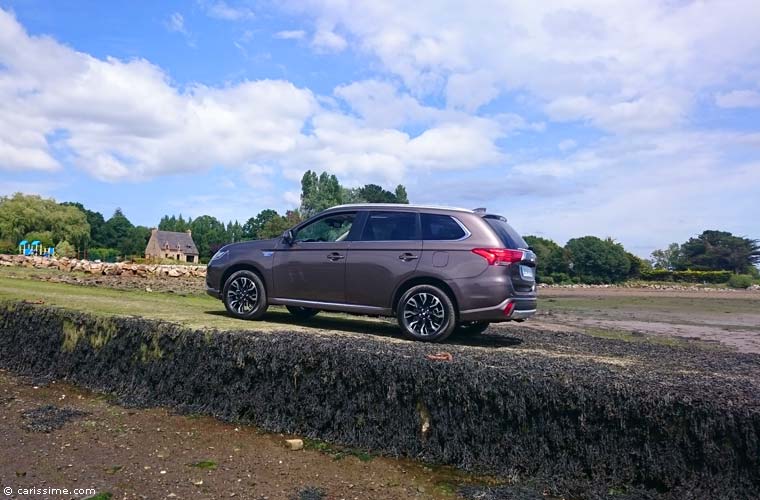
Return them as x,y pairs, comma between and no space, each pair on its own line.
336,452
695,303
196,311
204,464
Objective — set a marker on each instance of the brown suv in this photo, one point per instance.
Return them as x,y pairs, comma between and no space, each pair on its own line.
435,269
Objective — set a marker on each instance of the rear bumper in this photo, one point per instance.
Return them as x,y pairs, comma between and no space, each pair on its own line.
523,308
213,292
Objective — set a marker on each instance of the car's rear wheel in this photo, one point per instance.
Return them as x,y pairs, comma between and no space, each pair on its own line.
425,312
302,313
472,327
244,295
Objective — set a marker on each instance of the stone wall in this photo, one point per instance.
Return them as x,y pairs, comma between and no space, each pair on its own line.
103,268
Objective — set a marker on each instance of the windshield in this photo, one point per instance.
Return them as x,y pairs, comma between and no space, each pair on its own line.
506,233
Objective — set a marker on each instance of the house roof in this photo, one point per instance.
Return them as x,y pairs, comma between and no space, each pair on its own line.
175,240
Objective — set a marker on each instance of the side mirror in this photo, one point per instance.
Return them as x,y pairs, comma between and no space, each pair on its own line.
287,237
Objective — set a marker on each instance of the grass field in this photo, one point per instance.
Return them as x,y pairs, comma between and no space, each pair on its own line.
193,310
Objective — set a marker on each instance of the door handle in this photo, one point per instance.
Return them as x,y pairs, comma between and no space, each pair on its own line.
335,256
406,257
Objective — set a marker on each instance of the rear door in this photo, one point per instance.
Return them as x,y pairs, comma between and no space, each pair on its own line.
385,253
314,266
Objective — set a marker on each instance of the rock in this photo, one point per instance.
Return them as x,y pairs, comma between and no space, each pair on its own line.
294,444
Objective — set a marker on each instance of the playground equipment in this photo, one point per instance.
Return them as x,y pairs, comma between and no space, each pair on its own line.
35,248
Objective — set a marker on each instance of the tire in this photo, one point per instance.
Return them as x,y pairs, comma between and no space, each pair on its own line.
426,313
472,327
302,313
244,295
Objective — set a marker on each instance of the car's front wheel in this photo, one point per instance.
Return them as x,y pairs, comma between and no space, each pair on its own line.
425,312
244,295
302,313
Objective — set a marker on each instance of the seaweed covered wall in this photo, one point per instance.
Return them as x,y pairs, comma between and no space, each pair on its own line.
576,427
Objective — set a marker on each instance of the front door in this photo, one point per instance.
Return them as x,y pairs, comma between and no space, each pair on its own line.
314,266
385,254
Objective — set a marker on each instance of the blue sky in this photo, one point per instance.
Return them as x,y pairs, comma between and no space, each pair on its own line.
638,120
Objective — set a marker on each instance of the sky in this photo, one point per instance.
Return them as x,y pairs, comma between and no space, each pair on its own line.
636,120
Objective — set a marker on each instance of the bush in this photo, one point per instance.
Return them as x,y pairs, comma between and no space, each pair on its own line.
103,254
65,249
740,281
8,247
687,276
546,280
561,278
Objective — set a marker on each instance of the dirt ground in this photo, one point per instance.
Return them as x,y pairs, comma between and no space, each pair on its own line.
150,453
730,317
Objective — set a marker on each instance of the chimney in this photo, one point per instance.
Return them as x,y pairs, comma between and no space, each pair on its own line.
189,233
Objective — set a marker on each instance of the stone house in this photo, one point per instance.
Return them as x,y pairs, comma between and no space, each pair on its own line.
171,245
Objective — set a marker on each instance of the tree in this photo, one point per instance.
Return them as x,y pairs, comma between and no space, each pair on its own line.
549,255
324,191
22,215
319,193
177,224
597,261
252,228
135,242
401,196
207,232
97,227
274,227
668,258
372,193
234,232
117,229
720,251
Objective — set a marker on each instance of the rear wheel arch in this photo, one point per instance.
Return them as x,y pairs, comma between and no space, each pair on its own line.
424,280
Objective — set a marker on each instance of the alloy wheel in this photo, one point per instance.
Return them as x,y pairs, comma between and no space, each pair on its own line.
242,295
424,314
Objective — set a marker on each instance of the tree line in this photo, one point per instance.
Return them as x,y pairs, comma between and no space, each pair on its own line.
76,231
713,256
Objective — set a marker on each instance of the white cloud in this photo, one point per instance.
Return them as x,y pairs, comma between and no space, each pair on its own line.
125,120
738,99
176,23
222,10
290,35
627,65
326,40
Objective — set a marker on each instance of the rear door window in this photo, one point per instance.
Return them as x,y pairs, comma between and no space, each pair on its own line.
506,233
441,227
391,226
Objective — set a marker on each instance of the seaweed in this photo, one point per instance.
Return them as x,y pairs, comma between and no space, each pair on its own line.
574,415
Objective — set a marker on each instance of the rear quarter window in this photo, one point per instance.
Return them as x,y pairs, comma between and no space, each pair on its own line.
506,233
441,227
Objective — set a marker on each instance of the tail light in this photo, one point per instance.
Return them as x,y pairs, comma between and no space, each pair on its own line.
500,256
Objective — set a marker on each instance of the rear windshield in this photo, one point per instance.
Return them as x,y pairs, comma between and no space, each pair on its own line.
508,236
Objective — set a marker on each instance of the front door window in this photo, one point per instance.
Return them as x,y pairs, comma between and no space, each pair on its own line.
327,229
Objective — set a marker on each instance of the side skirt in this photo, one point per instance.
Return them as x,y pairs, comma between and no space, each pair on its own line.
333,306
